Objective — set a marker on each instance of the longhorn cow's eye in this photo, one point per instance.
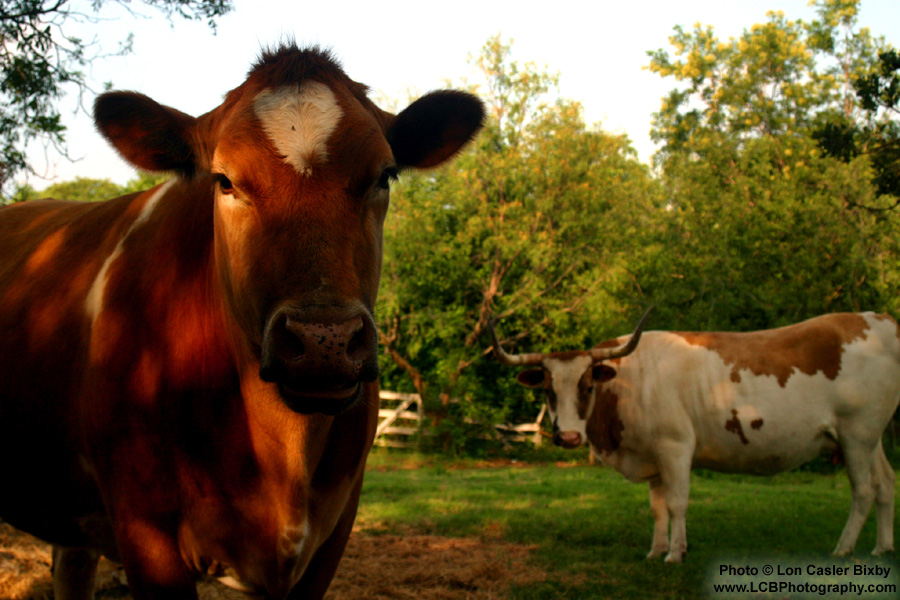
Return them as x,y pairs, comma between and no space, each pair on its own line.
225,185
387,176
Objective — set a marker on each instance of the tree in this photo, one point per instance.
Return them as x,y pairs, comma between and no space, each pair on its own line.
20,193
531,226
39,61
875,135
144,180
881,89
83,189
763,227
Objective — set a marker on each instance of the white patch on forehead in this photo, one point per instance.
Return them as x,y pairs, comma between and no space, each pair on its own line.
565,375
299,119
94,300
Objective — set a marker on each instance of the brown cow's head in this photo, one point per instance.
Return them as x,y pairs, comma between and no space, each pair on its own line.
299,163
570,380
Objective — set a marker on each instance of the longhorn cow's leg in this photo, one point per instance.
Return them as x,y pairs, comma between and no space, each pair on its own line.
74,571
884,502
660,518
675,473
861,460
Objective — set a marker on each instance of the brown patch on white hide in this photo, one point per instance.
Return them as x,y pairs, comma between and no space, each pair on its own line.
604,426
809,347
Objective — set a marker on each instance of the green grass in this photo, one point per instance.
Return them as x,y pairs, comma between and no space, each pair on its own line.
592,528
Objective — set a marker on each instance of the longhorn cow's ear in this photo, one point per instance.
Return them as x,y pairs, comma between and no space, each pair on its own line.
603,373
434,128
147,134
531,377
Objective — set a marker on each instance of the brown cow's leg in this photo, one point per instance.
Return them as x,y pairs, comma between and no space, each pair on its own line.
321,568
153,564
74,570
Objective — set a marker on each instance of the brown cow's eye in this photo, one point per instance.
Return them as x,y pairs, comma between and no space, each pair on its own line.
225,185
387,176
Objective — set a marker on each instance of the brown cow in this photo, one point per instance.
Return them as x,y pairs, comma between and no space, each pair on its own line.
187,375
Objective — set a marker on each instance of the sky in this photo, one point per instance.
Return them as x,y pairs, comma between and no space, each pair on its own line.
400,47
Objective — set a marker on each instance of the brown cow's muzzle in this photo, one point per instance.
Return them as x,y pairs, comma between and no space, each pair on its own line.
319,357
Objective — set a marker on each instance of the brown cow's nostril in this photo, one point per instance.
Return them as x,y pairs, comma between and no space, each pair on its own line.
292,343
358,346
321,342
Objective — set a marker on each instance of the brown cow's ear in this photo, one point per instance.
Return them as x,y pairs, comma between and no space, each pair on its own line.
603,373
147,134
434,128
531,377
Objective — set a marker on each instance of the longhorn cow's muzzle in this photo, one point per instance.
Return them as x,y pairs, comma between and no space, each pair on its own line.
320,357
567,439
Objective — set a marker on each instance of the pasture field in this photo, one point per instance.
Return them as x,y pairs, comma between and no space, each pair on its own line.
432,528
588,529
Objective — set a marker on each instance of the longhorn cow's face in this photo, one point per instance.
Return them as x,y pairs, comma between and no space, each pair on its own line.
301,164
570,380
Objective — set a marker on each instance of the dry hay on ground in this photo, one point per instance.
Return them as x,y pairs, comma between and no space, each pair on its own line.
427,567
375,567
25,569
22,559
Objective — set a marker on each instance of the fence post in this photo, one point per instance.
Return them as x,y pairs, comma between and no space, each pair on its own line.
538,437
389,417
420,409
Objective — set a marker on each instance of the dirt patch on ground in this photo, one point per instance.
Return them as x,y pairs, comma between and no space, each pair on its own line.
22,558
375,567
427,567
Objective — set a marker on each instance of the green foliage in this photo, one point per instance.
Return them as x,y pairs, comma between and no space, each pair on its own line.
881,89
877,135
532,224
83,189
459,433
771,203
19,193
39,60
743,88
766,227
144,181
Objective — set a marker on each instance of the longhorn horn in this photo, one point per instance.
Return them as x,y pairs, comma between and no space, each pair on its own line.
533,358
626,348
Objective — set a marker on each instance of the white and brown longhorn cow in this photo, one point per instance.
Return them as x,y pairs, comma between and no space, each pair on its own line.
760,402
